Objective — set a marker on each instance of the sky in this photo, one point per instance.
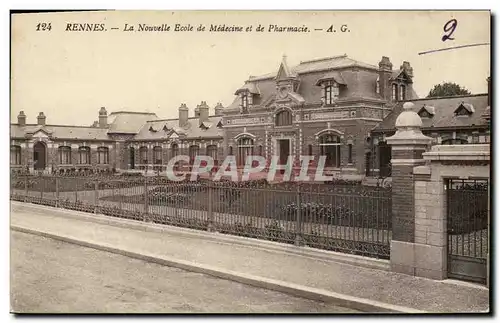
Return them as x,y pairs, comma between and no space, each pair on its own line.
69,75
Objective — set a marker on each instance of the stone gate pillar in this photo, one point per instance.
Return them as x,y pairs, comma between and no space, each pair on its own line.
408,145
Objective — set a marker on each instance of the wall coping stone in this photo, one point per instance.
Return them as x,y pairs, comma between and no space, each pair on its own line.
458,152
422,170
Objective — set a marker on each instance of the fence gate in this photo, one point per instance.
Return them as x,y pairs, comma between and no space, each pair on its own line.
468,228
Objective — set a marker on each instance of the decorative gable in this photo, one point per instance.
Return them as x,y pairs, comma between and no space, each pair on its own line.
284,72
174,135
41,134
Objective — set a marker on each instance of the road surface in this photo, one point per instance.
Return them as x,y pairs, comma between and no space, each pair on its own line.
50,276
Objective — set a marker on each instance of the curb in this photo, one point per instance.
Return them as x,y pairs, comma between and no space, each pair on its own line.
352,302
269,246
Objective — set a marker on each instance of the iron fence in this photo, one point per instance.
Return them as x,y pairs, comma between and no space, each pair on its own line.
352,219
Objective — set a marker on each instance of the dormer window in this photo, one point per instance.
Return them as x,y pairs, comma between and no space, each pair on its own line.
427,112
331,92
151,129
165,128
402,92
394,92
464,109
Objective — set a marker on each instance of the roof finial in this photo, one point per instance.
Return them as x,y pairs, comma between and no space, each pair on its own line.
284,56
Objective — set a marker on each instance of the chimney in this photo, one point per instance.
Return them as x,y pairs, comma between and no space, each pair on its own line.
95,124
219,109
183,115
41,119
21,119
197,111
407,68
103,118
203,110
384,75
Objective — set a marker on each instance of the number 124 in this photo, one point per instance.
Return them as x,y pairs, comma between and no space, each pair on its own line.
43,26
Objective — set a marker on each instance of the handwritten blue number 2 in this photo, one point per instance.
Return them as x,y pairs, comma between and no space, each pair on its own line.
449,28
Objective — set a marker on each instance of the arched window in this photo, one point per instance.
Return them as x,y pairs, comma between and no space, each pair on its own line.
143,155
230,151
84,155
64,155
157,158
212,152
15,155
329,145
103,155
283,118
245,148
194,151
394,92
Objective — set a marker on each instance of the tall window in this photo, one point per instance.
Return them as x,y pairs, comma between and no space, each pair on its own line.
64,155
402,93
377,86
394,92
194,151
157,158
143,155
261,150
15,155
329,145
245,148
84,155
349,153
244,103
283,118
103,155
212,152
175,150
331,92
230,150
310,150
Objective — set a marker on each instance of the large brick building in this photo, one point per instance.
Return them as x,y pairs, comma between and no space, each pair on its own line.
335,107
320,107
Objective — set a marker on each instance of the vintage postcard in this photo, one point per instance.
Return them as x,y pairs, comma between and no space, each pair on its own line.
250,162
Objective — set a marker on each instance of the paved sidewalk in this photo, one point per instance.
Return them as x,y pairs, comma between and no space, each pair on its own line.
318,274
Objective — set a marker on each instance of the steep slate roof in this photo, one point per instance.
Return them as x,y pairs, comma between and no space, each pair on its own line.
334,75
250,87
359,84
60,132
128,122
191,131
321,64
444,109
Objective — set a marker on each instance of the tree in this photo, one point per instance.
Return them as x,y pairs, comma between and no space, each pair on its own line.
447,89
